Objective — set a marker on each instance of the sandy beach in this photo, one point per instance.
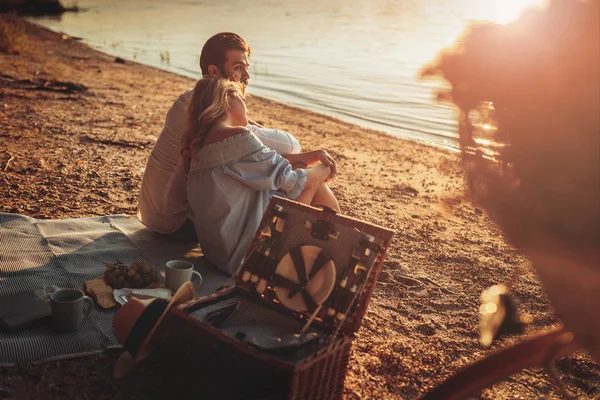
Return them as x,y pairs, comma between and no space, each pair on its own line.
76,129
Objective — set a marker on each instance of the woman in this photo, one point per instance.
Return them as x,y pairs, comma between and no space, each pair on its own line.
232,175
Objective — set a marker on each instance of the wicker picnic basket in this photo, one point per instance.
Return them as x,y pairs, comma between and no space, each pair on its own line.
285,330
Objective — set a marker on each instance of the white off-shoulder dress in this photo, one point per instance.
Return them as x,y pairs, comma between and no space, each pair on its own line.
229,187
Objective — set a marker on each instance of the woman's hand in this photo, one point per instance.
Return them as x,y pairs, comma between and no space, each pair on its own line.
310,158
324,158
317,174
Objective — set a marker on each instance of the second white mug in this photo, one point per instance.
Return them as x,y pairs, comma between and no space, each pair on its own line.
178,272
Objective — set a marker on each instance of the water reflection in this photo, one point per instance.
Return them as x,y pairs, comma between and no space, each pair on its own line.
355,59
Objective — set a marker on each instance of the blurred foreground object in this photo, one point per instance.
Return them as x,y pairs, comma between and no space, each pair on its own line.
498,315
529,126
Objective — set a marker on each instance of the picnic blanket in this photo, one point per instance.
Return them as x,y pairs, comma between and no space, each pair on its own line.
65,253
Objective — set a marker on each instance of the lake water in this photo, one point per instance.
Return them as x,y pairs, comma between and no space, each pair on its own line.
357,60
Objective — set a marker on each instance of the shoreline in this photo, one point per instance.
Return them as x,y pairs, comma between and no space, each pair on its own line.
75,153
453,142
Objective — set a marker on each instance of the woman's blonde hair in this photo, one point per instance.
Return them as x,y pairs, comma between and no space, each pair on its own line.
208,104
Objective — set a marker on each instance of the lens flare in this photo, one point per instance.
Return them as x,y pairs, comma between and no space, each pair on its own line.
505,11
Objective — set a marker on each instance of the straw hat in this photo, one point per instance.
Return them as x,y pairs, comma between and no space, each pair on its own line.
136,322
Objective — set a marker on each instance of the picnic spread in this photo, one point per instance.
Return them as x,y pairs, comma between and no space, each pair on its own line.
288,317
71,253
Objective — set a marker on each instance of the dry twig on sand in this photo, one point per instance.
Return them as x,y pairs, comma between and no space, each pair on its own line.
7,166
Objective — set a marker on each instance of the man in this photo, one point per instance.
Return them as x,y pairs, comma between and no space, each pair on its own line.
162,204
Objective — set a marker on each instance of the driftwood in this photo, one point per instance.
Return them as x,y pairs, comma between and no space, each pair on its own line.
34,7
43,84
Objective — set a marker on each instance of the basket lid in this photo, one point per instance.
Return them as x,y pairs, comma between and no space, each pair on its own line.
314,264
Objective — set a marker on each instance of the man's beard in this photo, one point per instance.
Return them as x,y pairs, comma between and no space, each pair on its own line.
244,85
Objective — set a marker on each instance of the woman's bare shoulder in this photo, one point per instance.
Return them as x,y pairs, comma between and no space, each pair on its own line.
234,130
223,133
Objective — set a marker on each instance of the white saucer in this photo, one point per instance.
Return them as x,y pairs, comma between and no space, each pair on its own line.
161,293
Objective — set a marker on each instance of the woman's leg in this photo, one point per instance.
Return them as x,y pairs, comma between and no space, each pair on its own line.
320,195
325,197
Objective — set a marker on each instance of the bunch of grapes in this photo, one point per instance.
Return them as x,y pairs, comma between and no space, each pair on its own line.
139,275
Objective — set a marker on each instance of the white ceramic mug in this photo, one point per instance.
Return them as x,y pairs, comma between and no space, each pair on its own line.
68,308
178,272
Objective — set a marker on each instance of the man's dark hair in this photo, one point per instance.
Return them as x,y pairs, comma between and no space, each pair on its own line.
213,51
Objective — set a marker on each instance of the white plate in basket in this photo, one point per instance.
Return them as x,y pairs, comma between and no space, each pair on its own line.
319,288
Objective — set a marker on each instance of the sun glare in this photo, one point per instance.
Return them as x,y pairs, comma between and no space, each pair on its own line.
505,11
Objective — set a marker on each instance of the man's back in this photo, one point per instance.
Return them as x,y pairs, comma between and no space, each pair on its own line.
162,205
